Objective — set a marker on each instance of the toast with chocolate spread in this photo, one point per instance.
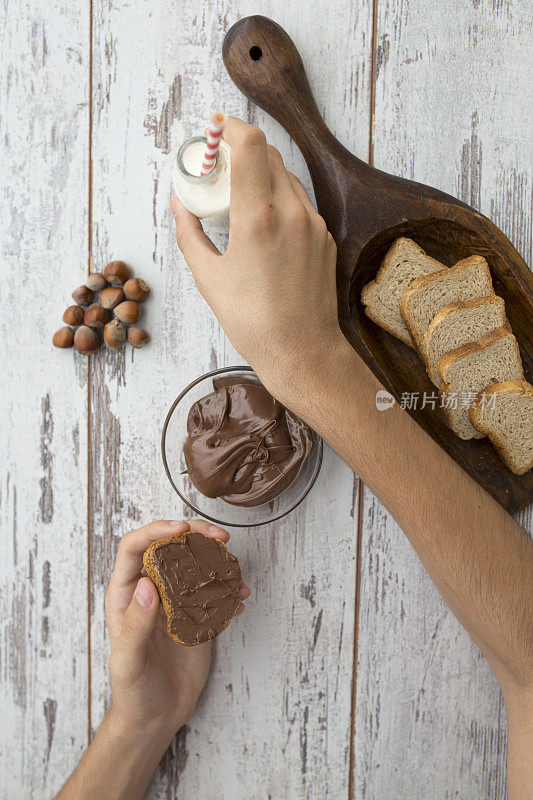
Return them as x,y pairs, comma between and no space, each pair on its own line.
198,582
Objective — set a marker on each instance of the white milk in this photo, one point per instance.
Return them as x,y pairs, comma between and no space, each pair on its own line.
203,195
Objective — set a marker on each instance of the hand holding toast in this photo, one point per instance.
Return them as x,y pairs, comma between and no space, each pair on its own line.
155,682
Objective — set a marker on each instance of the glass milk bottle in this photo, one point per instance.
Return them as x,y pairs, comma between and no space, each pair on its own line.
203,195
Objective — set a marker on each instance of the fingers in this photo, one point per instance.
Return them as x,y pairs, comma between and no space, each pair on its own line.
250,182
281,186
245,594
129,562
302,195
132,546
138,625
316,220
197,248
129,565
212,531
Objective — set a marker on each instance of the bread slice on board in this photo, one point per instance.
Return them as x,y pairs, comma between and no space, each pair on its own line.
466,280
403,263
469,369
504,412
457,324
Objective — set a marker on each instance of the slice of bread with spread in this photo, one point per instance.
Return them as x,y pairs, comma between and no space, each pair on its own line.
198,582
404,262
504,413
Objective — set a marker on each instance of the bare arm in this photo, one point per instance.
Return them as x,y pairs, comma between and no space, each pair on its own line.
477,555
155,682
274,293
479,558
119,763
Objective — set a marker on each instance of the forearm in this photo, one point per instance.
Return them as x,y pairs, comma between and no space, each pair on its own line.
118,764
478,557
519,749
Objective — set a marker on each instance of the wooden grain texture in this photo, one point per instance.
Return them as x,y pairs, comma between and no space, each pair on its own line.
280,689
43,224
275,718
449,102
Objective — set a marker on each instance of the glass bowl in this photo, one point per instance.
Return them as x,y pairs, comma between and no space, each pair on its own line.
215,509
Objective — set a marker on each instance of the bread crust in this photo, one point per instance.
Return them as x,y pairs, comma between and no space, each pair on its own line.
522,388
153,574
369,287
449,309
466,349
380,277
472,347
404,303
374,317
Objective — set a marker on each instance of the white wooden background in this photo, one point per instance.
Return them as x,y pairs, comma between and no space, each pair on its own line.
347,677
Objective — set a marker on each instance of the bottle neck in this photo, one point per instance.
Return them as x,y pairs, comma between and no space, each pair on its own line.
189,162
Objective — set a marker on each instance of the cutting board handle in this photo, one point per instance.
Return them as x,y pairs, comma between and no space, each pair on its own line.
264,63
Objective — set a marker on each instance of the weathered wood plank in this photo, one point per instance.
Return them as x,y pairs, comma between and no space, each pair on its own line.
449,105
276,712
43,222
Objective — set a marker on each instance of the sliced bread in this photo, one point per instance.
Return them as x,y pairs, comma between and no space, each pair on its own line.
403,263
470,368
504,412
466,280
457,324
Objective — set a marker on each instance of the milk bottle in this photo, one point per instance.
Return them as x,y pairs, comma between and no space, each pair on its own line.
203,195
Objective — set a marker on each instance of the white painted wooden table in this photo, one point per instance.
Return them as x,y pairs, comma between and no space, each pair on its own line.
347,677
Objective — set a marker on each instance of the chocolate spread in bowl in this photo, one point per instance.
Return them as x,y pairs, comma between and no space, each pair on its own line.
243,446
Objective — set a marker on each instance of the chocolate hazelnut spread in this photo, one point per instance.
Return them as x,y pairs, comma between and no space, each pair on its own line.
198,580
244,446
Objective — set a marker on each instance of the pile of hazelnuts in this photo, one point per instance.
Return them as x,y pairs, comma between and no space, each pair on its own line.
108,301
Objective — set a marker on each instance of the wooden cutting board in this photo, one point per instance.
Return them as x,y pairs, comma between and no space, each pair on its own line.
365,210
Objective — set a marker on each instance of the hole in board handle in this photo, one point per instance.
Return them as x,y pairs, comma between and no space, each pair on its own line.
255,53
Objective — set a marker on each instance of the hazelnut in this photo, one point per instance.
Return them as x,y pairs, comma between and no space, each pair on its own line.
82,295
117,272
114,334
96,316
63,338
128,312
95,281
86,341
137,337
73,315
136,289
111,297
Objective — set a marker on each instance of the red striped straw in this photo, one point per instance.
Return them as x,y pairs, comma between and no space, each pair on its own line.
214,135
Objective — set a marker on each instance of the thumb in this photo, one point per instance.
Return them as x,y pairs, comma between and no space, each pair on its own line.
196,246
139,621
